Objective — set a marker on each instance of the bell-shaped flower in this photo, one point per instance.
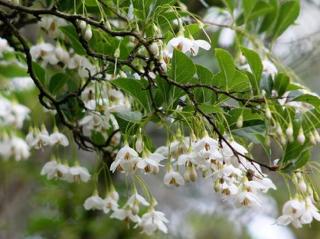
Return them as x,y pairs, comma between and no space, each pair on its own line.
126,160
94,202
311,212
58,138
19,149
125,214
291,212
152,221
77,174
150,163
173,178
111,201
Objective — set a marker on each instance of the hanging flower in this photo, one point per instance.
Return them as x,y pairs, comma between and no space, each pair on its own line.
152,221
291,212
173,178
58,138
126,160
94,202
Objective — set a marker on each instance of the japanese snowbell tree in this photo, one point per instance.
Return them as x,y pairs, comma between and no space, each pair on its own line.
106,69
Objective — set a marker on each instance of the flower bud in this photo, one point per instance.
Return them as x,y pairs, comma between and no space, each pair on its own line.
139,144
302,186
190,174
154,49
87,34
289,130
316,136
240,121
283,140
268,113
82,25
312,139
301,138
279,130
117,53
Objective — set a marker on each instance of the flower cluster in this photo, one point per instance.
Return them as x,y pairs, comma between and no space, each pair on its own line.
149,222
13,147
37,138
100,116
301,209
235,178
54,55
12,113
54,169
51,24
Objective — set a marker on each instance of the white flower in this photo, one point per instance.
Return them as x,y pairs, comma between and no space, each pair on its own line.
78,173
150,163
51,24
125,214
95,121
226,37
54,170
186,45
50,169
269,68
111,201
126,160
94,202
291,212
19,149
44,51
19,113
186,159
263,184
173,178
62,55
310,212
38,139
153,221
136,198
58,138
199,44
247,198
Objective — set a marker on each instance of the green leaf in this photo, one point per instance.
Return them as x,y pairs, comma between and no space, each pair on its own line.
247,114
131,116
12,70
248,5
295,156
281,83
260,9
72,35
226,64
183,68
270,19
266,84
289,12
210,109
255,63
310,99
135,88
250,133
39,72
205,76
57,81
